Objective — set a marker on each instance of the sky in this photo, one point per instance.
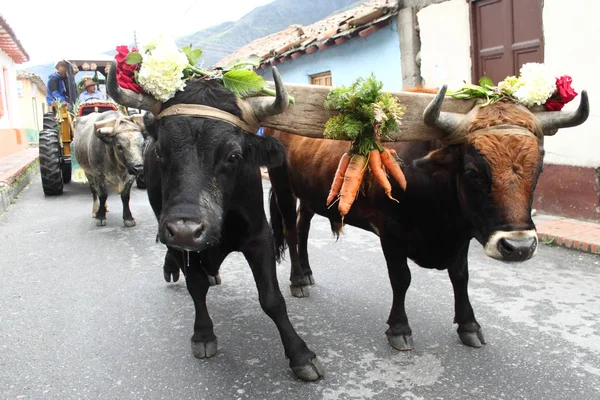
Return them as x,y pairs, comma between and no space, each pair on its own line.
42,26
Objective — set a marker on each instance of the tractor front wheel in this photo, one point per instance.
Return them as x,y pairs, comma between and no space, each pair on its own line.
50,162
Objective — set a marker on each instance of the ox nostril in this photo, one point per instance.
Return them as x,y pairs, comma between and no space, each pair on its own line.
170,230
198,231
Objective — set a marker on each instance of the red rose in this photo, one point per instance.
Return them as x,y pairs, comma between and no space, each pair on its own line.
564,94
554,105
126,72
565,91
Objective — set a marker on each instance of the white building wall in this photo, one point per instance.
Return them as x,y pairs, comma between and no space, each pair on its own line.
8,81
572,40
572,43
445,44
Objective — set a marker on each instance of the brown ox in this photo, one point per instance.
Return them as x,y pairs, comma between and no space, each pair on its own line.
477,182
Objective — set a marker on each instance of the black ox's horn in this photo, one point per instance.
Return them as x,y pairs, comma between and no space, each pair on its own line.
434,117
127,97
551,121
265,106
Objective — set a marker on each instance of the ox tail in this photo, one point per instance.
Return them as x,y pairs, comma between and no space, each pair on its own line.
277,228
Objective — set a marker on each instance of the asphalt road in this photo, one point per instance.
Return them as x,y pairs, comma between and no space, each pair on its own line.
86,314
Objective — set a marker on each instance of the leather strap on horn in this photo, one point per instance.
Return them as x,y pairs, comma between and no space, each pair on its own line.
497,130
197,110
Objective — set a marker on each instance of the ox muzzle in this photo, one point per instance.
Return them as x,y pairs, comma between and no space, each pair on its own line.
512,246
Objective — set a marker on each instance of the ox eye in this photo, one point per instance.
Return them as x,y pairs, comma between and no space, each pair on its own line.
234,158
157,152
119,147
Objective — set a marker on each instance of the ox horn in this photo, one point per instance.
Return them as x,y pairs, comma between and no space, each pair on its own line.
434,117
106,127
128,97
551,121
264,106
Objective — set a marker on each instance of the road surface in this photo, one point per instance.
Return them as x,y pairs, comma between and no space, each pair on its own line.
86,314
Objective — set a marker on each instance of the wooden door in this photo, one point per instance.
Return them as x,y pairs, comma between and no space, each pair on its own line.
505,35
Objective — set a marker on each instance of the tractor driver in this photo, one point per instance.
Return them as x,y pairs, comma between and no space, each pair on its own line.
90,91
58,87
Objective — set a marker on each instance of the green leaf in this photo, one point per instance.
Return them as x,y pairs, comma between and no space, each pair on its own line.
243,82
193,55
133,57
243,63
485,81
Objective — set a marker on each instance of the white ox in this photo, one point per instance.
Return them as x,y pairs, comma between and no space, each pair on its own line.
108,146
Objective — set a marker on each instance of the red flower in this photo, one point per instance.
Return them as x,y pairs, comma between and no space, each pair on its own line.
565,91
126,72
564,94
554,105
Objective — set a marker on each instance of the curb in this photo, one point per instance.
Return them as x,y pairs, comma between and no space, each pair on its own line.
569,243
15,182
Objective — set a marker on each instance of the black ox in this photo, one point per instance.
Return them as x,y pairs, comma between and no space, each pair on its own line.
476,182
205,188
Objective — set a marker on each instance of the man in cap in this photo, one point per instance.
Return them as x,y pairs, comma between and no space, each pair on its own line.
90,91
58,87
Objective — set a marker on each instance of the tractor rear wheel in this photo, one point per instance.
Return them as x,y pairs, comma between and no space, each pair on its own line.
50,162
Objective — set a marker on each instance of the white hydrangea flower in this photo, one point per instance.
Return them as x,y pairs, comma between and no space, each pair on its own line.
161,73
538,84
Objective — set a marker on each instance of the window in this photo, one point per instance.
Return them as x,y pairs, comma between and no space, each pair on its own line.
323,79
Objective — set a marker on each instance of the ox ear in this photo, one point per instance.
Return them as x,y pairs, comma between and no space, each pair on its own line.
444,159
263,151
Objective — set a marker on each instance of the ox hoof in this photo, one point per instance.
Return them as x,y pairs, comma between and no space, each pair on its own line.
472,339
204,350
129,223
401,342
100,222
214,280
308,280
299,291
174,274
310,372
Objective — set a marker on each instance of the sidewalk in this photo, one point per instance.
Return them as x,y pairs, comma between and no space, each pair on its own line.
568,233
16,171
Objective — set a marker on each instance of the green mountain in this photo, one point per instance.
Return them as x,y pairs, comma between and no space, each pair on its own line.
221,40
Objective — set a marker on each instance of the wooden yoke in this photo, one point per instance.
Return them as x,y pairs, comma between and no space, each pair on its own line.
307,117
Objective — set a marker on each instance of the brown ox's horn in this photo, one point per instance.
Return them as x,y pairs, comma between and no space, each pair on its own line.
128,97
551,121
434,117
265,106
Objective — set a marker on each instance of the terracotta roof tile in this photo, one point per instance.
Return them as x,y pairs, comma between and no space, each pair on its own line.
35,78
10,44
338,28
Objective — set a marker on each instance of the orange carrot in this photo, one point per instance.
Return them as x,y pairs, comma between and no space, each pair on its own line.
352,181
379,173
339,178
392,152
393,168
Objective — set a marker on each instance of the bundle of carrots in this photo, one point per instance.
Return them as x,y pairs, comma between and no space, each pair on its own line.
366,115
350,173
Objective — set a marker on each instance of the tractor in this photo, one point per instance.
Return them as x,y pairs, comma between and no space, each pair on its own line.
57,164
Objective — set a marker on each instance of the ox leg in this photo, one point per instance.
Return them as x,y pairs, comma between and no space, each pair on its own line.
469,331
102,195
95,205
399,333
259,254
128,220
204,341
170,266
305,215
